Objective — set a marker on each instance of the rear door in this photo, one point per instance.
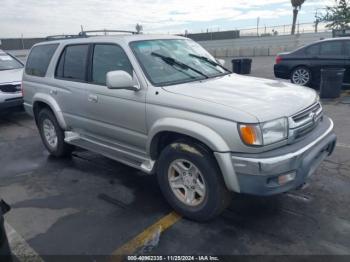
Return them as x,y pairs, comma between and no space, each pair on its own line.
347,62
71,81
332,54
312,61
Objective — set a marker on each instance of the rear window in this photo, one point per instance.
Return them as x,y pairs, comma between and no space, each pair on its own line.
312,50
39,59
72,63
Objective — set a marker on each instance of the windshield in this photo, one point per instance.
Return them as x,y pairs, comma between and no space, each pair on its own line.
175,61
7,62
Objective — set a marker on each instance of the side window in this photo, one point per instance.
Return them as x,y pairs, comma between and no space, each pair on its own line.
39,59
72,63
108,58
347,48
312,50
331,48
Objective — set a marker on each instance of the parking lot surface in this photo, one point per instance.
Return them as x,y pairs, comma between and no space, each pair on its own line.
90,205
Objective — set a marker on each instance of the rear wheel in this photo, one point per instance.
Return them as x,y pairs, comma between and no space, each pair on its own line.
52,134
191,181
301,76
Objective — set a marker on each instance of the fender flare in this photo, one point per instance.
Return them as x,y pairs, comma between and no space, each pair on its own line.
47,99
190,128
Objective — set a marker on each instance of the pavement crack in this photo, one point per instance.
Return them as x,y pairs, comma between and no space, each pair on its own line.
112,200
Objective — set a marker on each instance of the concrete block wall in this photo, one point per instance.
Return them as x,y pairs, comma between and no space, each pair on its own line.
260,46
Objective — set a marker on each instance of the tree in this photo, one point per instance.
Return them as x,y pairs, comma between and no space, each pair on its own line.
296,8
139,28
338,16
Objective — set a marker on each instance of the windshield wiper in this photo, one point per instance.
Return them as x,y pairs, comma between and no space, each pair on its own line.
206,59
171,61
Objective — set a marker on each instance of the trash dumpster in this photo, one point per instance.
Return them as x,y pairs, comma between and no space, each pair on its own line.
236,66
331,82
246,66
241,65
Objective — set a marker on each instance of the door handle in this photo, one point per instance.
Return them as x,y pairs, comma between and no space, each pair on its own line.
93,98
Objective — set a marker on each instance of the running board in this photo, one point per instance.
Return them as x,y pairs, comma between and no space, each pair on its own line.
121,155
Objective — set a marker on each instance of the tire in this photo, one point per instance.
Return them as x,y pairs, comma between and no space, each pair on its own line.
56,146
203,176
301,76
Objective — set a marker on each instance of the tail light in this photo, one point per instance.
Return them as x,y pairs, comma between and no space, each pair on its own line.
278,59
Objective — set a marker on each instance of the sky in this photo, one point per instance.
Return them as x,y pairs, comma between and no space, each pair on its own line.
38,18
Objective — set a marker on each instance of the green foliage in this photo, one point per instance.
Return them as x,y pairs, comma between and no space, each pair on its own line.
338,16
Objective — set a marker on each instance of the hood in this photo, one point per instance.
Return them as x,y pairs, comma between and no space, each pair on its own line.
264,98
9,76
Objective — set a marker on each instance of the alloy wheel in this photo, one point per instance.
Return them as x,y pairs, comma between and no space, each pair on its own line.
187,182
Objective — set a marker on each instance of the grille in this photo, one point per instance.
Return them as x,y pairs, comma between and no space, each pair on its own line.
304,115
10,88
305,121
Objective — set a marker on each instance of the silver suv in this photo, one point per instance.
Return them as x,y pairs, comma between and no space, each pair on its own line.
164,105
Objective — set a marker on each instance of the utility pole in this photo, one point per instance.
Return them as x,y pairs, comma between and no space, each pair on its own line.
257,26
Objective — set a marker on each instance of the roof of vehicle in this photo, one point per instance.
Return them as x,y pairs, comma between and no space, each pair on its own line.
122,37
335,39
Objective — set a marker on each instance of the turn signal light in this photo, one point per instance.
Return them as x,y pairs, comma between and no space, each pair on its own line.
249,134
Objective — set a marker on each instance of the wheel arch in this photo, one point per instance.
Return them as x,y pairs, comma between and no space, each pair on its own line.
168,130
43,100
300,65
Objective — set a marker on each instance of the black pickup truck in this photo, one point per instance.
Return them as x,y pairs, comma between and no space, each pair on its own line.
5,253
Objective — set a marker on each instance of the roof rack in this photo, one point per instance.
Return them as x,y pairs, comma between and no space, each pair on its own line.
60,37
88,33
105,32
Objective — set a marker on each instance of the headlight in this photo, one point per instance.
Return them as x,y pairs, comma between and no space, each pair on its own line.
265,133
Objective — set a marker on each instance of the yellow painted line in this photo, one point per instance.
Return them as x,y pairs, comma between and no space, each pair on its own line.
140,240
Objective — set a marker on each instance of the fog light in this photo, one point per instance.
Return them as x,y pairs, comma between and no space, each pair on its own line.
284,179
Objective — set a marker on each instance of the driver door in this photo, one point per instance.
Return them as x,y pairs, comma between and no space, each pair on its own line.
115,116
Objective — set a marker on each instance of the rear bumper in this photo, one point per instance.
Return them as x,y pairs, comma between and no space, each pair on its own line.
281,71
259,174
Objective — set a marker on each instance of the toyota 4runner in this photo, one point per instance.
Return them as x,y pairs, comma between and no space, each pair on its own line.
164,105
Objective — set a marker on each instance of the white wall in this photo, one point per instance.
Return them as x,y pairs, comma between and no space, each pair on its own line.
260,46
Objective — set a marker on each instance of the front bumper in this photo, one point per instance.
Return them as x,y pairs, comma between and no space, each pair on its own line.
258,174
16,102
8,100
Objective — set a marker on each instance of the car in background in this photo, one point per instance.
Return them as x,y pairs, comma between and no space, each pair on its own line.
5,253
303,66
11,70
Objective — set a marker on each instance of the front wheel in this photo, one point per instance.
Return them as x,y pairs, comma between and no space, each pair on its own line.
191,181
301,76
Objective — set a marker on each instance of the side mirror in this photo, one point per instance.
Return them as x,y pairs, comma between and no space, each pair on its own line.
121,80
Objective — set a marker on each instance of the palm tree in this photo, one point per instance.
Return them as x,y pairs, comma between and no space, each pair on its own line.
296,7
